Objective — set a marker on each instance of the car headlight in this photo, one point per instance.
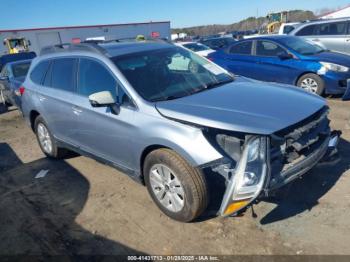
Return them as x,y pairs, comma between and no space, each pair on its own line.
334,67
248,179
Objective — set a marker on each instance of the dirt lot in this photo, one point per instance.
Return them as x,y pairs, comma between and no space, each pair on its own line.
83,207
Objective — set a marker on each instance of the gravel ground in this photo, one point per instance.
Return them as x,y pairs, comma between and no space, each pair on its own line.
84,207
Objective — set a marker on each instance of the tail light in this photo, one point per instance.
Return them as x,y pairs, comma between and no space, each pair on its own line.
21,90
210,58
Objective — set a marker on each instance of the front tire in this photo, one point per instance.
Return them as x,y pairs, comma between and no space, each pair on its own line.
177,188
46,140
311,83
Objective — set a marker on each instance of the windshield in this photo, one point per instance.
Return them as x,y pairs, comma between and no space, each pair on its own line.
19,70
170,73
195,47
302,46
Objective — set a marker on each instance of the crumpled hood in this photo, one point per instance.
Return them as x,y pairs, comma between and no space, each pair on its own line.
244,105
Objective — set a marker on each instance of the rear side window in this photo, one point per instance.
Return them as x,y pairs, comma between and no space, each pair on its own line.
93,77
63,74
39,72
244,48
307,30
267,48
332,28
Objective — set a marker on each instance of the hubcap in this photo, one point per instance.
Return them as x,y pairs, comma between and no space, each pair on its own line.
167,188
44,138
309,85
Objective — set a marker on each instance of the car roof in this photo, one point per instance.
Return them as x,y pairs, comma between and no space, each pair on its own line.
118,49
268,37
107,49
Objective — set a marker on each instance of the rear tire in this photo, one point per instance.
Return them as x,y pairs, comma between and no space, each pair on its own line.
312,83
180,190
46,140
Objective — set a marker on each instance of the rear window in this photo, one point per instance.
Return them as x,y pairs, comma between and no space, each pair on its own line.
244,48
39,72
63,74
19,70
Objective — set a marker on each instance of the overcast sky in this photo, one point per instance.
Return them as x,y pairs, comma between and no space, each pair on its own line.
181,13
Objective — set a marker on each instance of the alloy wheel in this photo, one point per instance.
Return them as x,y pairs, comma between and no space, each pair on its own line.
167,188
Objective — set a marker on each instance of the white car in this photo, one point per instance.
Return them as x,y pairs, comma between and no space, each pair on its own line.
198,48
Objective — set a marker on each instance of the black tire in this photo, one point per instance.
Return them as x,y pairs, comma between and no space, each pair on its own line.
316,78
192,180
56,152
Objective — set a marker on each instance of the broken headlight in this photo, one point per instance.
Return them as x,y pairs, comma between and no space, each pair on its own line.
249,176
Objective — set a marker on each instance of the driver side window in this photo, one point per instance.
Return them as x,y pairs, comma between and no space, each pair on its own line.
267,48
94,77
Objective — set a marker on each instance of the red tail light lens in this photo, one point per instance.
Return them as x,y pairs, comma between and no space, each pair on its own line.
21,90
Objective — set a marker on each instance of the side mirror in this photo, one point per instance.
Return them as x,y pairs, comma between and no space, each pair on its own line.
285,56
104,99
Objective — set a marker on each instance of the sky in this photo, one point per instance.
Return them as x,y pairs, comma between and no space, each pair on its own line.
181,13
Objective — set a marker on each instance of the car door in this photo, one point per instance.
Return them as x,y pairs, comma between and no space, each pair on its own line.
332,35
238,59
58,99
101,132
273,64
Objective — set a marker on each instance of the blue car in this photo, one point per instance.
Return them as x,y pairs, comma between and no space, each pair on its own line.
288,60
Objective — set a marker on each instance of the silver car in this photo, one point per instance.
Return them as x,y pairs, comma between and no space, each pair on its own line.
332,34
176,122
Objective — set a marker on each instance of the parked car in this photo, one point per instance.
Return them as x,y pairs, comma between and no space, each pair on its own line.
286,28
332,34
198,48
15,57
288,60
175,126
218,42
12,76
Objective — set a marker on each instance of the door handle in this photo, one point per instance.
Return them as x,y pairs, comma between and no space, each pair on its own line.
348,40
77,110
316,40
42,98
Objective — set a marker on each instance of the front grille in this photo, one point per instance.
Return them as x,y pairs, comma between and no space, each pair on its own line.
293,146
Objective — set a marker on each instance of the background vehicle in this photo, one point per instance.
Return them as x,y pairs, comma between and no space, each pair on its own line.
275,20
11,77
332,34
218,42
198,48
16,45
288,60
168,117
286,28
15,57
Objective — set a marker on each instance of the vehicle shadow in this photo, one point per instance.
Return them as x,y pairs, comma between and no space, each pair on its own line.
303,194
38,214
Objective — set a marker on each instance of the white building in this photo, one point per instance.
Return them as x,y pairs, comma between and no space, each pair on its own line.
343,12
41,37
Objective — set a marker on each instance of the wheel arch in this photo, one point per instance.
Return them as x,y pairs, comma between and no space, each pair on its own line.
301,75
32,116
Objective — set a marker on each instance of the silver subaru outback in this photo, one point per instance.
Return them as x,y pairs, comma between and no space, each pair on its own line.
176,122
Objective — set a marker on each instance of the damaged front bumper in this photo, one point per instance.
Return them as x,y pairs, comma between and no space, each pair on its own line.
252,177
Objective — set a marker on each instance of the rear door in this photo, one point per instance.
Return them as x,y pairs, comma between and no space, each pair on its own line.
238,59
58,99
270,67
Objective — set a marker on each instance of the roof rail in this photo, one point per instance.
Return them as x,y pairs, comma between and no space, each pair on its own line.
91,47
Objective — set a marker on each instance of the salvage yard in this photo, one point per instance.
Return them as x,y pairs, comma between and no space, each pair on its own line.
84,207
